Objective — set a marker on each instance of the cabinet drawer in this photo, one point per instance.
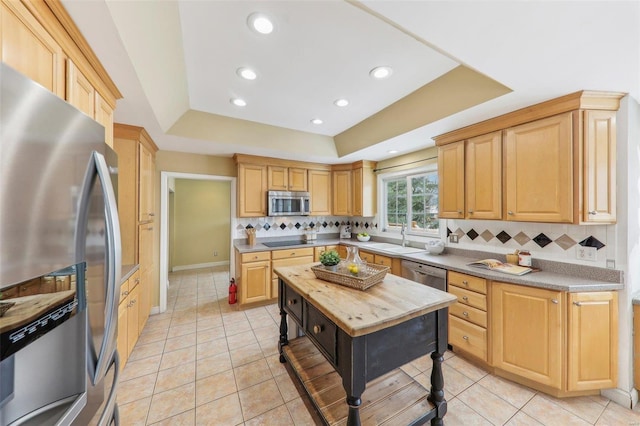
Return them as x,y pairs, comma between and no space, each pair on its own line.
286,254
124,291
469,313
256,256
367,256
468,337
469,297
293,303
468,282
383,260
319,328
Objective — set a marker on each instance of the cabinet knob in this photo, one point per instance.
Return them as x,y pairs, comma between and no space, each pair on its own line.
577,303
465,282
125,293
137,281
510,213
554,301
465,313
152,214
465,298
317,329
293,254
459,211
465,337
593,212
470,211
291,302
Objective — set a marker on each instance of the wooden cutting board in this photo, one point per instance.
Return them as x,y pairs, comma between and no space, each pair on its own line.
29,308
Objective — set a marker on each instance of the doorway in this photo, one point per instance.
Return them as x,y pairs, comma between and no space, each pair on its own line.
165,190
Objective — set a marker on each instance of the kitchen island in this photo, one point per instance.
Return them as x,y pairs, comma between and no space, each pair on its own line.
360,339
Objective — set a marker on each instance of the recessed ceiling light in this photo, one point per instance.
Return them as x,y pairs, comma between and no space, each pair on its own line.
247,73
260,23
238,102
316,121
381,72
393,151
341,102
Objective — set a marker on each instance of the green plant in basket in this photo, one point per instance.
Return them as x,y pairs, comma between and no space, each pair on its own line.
330,258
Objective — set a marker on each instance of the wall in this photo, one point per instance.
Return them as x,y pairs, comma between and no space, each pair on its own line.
201,224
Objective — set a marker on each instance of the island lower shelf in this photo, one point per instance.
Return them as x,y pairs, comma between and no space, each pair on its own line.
392,399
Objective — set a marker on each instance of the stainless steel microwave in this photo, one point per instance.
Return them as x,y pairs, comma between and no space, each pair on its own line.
288,203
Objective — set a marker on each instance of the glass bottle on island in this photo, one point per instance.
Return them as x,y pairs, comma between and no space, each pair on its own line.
352,264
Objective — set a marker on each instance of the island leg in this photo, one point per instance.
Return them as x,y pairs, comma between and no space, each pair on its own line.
283,333
436,394
354,378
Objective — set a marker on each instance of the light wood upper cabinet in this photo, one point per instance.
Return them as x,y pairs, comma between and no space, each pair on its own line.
539,173
599,167
527,337
342,196
252,190
104,116
592,341
80,92
27,47
320,192
363,189
451,181
286,178
483,177
146,193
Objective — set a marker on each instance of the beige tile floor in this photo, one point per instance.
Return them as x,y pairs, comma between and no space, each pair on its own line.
203,362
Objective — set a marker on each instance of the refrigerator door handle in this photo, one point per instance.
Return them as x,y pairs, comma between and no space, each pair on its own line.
110,413
114,268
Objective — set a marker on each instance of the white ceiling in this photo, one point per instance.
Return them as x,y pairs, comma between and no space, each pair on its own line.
168,58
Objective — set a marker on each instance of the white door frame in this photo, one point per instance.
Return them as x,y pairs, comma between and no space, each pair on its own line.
164,225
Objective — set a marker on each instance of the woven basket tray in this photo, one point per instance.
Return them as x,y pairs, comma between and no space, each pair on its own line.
4,307
368,276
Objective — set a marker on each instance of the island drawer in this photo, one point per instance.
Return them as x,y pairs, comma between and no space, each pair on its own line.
468,337
468,282
469,297
320,329
293,303
469,313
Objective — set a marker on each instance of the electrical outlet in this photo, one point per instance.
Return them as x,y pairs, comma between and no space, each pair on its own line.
611,263
453,238
215,253
586,253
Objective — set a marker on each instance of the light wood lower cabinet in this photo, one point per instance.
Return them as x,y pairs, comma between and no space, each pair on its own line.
254,281
317,251
378,259
593,341
292,257
468,316
527,335
128,317
566,342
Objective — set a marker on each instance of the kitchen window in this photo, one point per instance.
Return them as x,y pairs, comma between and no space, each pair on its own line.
411,198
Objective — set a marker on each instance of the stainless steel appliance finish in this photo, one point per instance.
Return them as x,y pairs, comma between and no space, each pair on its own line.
57,214
288,203
425,274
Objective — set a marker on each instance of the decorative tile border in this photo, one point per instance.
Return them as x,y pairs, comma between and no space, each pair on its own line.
296,225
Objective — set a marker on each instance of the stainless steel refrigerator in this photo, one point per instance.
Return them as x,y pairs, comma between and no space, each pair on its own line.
60,261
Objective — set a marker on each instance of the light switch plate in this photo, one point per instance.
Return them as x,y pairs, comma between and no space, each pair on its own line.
586,253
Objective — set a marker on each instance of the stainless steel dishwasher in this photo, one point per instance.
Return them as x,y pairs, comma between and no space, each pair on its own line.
425,274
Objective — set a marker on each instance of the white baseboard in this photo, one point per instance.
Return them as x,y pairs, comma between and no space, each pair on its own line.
627,399
154,310
199,265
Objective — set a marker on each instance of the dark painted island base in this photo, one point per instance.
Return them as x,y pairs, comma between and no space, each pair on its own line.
335,368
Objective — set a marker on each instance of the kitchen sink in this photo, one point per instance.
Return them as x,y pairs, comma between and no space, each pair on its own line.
392,248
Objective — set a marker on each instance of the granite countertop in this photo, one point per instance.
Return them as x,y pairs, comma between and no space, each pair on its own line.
362,312
635,298
127,271
553,275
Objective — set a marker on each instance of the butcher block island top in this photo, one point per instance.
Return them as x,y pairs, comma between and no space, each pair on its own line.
355,343
360,312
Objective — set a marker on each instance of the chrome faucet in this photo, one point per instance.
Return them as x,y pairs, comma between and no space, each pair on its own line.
404,235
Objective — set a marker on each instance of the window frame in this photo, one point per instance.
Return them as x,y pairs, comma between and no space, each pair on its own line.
382,199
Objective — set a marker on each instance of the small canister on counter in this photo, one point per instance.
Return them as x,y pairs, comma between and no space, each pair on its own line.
524,258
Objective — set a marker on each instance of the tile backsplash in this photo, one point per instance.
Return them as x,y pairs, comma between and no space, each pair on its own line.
545,241
290,226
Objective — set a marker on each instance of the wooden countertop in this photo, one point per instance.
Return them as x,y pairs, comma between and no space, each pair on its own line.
358,312
29,308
